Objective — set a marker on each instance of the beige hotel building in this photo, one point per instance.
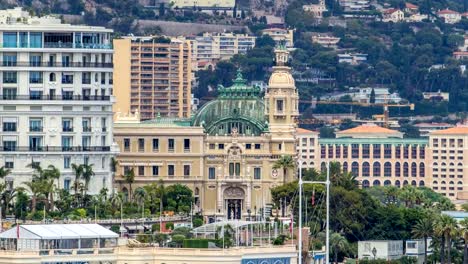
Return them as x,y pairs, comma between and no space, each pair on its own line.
224,153
383,157
153,76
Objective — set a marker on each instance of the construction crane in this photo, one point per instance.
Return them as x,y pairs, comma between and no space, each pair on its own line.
385,106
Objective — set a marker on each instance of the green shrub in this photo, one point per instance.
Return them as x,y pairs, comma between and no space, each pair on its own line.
155,228
115,229
197,243
197,222
170,225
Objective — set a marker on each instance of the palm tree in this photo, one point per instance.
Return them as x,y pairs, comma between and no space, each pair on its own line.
87,174
286,163
464,231
35,187
4,172
446,227
338,243
50,175
424,228
78,170
113,166
129,177
140,196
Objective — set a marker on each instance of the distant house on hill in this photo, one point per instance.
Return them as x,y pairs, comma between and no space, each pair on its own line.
449,16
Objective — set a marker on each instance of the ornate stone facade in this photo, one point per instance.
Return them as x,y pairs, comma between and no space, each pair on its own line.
225,153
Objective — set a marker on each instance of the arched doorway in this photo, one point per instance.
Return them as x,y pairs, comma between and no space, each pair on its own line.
234,202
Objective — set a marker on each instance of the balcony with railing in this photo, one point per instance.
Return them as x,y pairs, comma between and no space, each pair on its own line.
60,64
67,129
35,129
54,149
87,129
56,97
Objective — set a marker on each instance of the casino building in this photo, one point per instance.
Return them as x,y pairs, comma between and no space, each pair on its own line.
224,153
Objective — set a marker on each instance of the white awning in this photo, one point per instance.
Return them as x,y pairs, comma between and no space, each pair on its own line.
59,231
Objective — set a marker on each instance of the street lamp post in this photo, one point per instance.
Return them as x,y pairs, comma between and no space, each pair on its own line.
327,184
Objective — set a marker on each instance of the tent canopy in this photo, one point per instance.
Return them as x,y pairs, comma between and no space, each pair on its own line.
59,231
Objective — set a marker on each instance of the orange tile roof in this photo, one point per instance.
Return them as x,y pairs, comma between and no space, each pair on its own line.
304,131
411,6
369,128
452,131
446,12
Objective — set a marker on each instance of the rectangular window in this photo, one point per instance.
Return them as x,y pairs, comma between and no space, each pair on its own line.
126,144
9,59
155,170
387,151
67,125
10,39
221,146
141,144
35,143
35,77
66,162
257,173
279,106
9,145
9,77
354,151
248,146
126,169
186,144
376,151
155,144
211,173
141,170
9,93
9,165
35,125
35,40
186,170
323,151
258,146
9,126
66,184
35,61
422,152
345,151
170,144
212,146
67,143
365,151
23,40
86,141
170,170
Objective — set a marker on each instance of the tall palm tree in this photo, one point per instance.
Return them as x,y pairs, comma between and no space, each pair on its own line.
113,166
50,176
140,196
424,228
285,163
4,172
78,170
129,178
464,232
87,174
338,243
36,188
446,227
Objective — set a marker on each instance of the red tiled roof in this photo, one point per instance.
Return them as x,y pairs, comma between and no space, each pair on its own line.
304,131
411,6
447,12
390,11
369,128
459,130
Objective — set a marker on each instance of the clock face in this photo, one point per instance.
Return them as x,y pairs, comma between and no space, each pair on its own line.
275,173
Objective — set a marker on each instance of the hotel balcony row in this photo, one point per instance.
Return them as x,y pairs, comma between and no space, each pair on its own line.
8,97
55,149
59,64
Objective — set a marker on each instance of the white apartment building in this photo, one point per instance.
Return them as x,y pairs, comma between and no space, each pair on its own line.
355,5
212,47
55,98
281,36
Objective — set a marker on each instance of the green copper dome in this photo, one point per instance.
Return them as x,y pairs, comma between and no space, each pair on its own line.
238,108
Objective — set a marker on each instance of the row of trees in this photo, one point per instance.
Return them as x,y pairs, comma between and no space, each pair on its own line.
377,213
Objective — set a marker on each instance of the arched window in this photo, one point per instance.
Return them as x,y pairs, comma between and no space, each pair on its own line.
443,164
443,183
414,169
451,183
422,169
397,183
345,166
397,169
376,169
312,164
435,183
304,164
365,184
421,183
387,183
459,183
460,164
405,169
355,168
197,191
323,167
376,183
451,164
52,77
387,169
365,169
405,183
434,164
413,183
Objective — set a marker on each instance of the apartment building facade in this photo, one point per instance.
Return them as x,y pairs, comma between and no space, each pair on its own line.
213,47
382,157
153,76
55,98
